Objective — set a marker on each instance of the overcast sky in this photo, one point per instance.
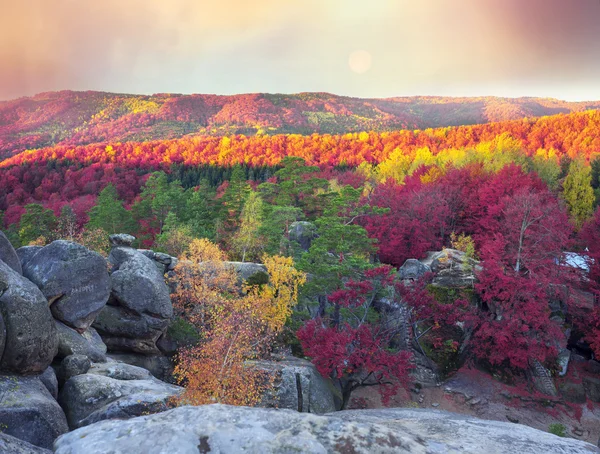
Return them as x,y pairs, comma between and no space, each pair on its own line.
364,48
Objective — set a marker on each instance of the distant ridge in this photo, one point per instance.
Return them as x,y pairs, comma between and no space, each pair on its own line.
78,118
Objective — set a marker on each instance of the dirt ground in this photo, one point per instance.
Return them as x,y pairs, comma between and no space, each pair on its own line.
475,393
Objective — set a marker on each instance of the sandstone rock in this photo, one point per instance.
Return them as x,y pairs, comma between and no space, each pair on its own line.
159,366
246,270
453,269
74,365
48,378
592,388
70,342
25,253
226,429
121,239
28,411
303,233
120,371
8,254
31,340
74,280
137,285
413,270
299,386
91,397
573,392
123,330
12,445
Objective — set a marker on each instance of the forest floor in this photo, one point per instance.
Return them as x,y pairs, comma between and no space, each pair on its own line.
475,393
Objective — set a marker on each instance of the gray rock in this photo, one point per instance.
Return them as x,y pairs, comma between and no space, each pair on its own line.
121,239
31,340
563,361
48,378
592,388
120,371
453,269
159,366
122,330
226,429
91,397
8,254
303,233
12,445
28,411
70,342
413,270
246,270
138,285
299,386
26,253
573,392
74,365
74,280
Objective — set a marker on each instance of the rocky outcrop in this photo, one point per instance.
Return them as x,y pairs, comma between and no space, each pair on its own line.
50,381
226,429
164,262
592,388
31,340
140,307
159,366
121,239
72,366
74,280
303,233
113,390
453,269
248,270
8,254
413,270
28,411
89,343
298,386
12,445
26,253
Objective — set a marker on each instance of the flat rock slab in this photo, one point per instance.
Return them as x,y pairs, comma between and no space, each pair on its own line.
226,429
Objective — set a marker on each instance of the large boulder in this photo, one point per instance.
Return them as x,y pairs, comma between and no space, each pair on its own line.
249,270
31,340
298,386
113,390
226,429
413,270
50,381
28,411
89,343
454,269
74,280
26,253
12,445
159,366
8,254
592,388
140,306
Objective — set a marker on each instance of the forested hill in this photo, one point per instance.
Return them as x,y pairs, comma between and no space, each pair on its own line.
79,118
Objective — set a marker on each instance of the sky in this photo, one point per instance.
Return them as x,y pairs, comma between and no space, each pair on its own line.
361,48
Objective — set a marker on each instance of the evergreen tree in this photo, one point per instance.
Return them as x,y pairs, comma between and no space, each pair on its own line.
109,214
276,228
37,222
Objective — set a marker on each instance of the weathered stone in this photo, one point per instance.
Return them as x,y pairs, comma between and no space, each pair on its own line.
74,280
159,366
123,330
592,388
573,392
26,253
138,285
31,340
74,365
226,429
298,386
453,269
8,254
48,378
121,239
303,233
12,445
563,361
413,270
28,411
246,270
91,397
72,343
120,371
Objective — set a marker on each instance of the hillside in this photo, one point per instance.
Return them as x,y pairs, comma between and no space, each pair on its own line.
79,118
